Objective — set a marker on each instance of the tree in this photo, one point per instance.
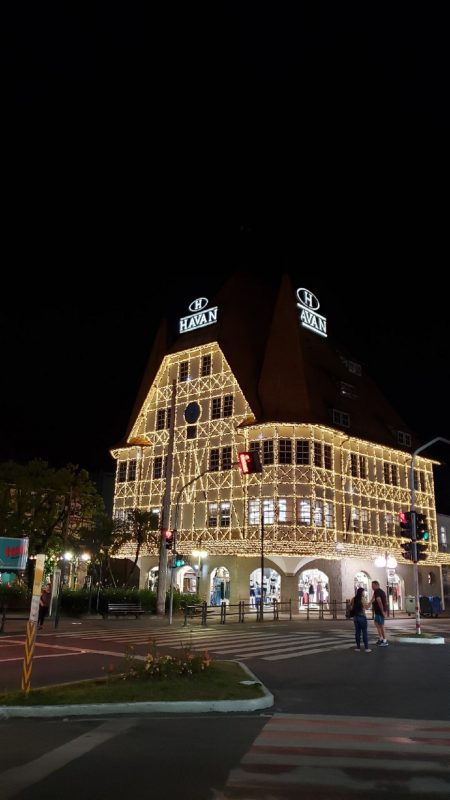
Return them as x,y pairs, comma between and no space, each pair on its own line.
139,527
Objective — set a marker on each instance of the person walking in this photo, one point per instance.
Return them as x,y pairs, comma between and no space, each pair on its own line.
44,605
358,612
379,608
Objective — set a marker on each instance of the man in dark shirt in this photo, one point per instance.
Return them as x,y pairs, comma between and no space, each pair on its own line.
379,608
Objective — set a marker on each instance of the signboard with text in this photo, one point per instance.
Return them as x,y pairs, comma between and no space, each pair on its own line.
13,553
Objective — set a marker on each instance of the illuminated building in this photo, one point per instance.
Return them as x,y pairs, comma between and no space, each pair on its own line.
257,370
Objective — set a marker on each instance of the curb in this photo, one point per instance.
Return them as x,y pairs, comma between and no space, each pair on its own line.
175,707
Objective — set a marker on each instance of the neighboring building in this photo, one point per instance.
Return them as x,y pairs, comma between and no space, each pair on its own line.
443,524
257,371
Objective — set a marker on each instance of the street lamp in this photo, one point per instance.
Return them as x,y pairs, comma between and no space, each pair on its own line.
199,554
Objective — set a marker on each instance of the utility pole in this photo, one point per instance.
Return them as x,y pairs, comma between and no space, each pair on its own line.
414,523
261,601
165,518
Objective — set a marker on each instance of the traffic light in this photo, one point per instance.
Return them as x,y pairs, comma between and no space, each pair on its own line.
250,462
178,560
168,536
406,523
408,550
421,550
422,532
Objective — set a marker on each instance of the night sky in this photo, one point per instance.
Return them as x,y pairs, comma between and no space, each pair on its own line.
143,144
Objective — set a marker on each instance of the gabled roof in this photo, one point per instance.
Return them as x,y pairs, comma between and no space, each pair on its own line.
286,373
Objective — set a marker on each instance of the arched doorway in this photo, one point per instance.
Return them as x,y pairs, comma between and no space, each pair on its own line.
271,586
395,591
313,588
220,586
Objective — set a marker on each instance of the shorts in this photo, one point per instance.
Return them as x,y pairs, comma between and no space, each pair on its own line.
379,619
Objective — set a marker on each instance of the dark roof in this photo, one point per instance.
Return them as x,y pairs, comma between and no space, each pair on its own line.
286,373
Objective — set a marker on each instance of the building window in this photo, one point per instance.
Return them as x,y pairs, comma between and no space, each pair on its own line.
268,451
317,454
389,522
254,447
341,418
206,366
157,467
363,467
304,512
327,456
183,374
355,519
225,517
302,451
132,470
347,390
212,514
404,438
228,405
328,508
253,512
364,520
394,474
269,511
354,465
285,509
191,432
318,513
386,473
160,419
285,451
214,459
122,472
226,457
216,407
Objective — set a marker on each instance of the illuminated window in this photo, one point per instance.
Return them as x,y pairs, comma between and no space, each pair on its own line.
318,513
364,520
122,471
389,522
213,509
160,419
225,515
157,467
191,432
219,515
355,519
285,451
183,374
132,470
285,509
302,451
206,365
269,511
328,508
254,514
304,512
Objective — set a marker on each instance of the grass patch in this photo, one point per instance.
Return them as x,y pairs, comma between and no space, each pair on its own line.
221,681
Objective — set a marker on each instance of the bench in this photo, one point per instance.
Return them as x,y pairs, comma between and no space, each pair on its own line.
123,608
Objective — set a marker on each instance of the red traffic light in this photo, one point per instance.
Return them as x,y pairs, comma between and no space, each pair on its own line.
168,536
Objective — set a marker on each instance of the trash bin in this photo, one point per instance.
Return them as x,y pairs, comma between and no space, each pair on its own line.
410,604
425,606
436,605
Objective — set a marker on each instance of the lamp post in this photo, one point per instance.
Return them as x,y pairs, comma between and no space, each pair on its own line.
414,537
199,554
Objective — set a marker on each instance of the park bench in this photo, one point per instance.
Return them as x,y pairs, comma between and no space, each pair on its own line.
122,608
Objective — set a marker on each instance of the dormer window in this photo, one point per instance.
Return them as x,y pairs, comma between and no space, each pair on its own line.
341,418
404,438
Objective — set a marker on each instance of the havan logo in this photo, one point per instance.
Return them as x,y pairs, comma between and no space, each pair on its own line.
309,318
201,318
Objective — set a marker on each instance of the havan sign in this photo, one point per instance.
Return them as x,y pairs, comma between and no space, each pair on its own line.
201,316
309,318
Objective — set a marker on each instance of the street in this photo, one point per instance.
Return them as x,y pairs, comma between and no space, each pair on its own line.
342,723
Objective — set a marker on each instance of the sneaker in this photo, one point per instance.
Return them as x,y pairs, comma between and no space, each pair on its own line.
368,650
384,643
379,641
357,649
